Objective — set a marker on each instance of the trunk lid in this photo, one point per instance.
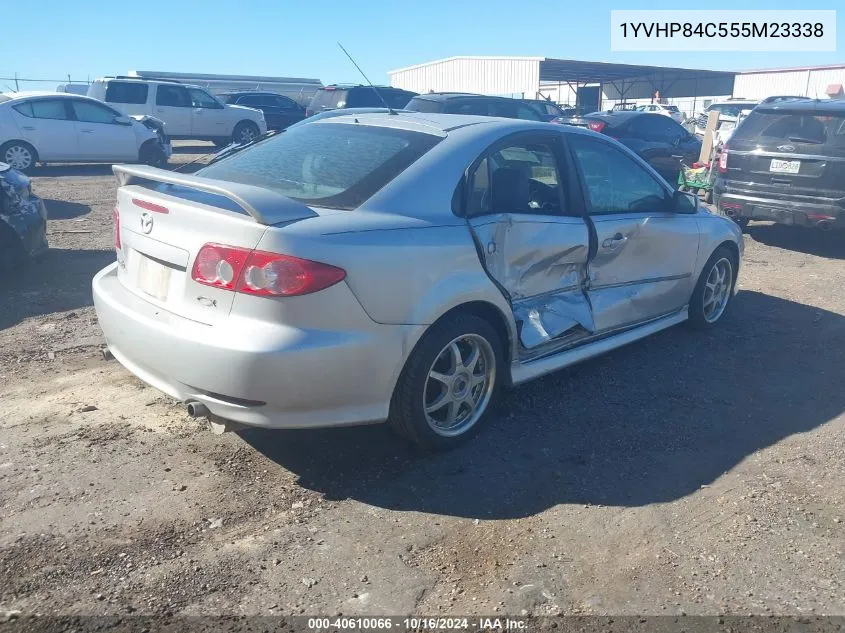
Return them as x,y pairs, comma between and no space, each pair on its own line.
165,218
792,153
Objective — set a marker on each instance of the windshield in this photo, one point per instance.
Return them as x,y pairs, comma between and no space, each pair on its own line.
328,100
421,104
337,165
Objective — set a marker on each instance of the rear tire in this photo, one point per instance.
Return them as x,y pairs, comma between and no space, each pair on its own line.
449,383
245,132
714,291
19,154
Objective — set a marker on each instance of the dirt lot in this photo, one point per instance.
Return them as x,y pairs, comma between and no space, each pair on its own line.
686,473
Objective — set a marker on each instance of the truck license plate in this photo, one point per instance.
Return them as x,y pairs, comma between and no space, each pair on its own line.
779,166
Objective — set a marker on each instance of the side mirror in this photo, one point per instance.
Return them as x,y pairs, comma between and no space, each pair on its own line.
683,202
122,120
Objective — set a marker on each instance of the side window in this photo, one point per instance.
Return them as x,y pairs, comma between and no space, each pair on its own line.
92,112
126,92
49,109
615,182
172,96
201,99
473,106
521,177
284,102
524,112
24,108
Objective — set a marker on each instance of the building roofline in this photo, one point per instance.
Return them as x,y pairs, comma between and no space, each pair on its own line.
759,71
456,57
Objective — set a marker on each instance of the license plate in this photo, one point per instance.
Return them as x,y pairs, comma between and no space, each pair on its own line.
785,166
153,278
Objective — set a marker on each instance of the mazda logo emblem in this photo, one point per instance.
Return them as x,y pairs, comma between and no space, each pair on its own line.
786,148
146,222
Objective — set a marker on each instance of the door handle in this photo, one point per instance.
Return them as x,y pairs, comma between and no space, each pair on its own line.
614,242
87,131
678,157
160,110
27,127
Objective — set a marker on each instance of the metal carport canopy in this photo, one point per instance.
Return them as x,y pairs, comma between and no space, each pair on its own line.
574,71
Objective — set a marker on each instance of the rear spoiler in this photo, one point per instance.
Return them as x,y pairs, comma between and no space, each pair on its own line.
264,205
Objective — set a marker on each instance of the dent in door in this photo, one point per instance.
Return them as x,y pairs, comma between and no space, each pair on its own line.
541,266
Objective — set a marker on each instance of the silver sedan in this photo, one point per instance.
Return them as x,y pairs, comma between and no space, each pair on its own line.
400,267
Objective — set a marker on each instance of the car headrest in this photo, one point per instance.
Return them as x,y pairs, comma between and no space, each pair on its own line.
510,190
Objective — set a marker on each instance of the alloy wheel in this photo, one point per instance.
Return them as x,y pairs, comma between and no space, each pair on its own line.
459,385
717,290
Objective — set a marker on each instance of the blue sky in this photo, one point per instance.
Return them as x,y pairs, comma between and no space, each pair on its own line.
262,37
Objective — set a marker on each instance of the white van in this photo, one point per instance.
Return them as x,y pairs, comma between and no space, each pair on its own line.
189,112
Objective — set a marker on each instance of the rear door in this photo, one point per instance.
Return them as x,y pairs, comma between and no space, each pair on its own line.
285,111
645,256
660,144
533,239
173,106
100,137
792,152
47,124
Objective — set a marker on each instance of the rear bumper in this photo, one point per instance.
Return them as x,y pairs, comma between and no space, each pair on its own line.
253,372
800,213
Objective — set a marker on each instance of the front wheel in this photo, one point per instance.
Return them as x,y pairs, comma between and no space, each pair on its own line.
448,383
151,154
714,290
18,154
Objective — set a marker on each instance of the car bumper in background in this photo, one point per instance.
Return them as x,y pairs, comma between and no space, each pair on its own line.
253,372
798,213
29,223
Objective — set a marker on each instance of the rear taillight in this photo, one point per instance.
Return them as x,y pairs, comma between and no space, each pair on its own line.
150,206
723,160
261,273
115,215
596,126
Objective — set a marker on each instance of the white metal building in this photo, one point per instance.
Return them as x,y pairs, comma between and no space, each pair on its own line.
799,82
589,85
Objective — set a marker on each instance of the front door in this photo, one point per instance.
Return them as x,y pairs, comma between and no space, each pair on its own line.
534,241
100,137
645,258
173,106
209,116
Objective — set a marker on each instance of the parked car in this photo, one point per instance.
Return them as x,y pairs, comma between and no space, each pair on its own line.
404,268
189,111
23,219
339,96
671,111
549,110
467,103
662,142
279,111
55,127
786,163
729,112
624,107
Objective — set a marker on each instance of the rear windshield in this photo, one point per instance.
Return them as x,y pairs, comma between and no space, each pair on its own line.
807,132
336,165
419,104
328,100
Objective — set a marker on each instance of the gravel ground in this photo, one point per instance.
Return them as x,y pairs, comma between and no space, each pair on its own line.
688,473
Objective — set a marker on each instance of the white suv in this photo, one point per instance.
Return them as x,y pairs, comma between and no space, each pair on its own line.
188,111
671,111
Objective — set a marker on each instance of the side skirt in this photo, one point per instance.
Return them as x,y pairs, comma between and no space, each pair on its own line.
525,371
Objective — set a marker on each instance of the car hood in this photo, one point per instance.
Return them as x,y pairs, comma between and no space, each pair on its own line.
243,109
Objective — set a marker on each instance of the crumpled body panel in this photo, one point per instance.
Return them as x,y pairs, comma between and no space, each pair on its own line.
540,263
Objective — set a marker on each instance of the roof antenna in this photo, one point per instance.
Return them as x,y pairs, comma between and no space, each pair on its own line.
389,109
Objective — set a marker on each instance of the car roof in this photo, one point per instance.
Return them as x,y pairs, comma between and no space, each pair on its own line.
244,93
350,86
808,106
446,96
32,94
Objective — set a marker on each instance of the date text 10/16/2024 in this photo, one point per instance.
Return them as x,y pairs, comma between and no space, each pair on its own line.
416,623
